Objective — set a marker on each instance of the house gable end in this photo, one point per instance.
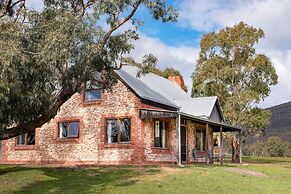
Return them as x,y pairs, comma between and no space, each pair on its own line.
216,113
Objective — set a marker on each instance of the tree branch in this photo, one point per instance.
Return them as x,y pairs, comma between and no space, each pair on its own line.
116,26
60,98
11,5
89,3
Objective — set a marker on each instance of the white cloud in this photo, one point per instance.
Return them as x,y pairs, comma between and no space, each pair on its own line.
181,58
272,16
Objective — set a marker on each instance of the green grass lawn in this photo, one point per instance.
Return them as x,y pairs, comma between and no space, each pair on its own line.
271,175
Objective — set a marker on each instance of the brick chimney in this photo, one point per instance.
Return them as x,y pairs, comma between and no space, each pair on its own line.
178,79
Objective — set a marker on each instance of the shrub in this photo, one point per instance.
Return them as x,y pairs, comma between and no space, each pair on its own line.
276,146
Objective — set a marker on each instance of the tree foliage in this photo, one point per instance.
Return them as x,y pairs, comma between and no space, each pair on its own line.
45,56
170,71
274,147
230,68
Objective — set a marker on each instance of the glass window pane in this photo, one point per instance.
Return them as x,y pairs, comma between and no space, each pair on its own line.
199,139
20,140
92,94
112,134
73,129
63,129
124,130
157,139
31,138
163,135
157,129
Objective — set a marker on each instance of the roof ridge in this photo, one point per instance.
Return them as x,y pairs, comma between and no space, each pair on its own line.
159,76
195,98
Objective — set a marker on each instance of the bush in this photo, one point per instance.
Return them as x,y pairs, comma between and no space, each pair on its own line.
276,146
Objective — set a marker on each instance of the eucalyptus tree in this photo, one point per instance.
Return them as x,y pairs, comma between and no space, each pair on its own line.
46,55
230,68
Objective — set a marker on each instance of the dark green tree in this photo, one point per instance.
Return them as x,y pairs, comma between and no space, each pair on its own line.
46,56
230,68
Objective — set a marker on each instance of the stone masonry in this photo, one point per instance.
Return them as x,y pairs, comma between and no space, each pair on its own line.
91,147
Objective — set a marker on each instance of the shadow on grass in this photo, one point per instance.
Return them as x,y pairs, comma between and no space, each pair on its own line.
85,180
9,169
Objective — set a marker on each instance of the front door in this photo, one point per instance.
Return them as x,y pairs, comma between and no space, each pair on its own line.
183,144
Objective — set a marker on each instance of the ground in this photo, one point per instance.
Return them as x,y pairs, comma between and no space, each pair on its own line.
258,175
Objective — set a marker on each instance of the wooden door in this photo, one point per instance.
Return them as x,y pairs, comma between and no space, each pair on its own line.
183,144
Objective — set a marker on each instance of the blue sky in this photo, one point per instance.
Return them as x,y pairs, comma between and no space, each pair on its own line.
169,33
177,45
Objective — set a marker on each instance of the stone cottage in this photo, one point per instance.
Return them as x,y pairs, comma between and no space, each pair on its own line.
143,120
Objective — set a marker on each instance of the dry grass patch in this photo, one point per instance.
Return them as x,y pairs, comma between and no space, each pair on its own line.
246,172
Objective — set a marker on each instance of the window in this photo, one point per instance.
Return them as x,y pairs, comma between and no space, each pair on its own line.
26,139
92,92
118,130
200,139
160,134
69,129
183,121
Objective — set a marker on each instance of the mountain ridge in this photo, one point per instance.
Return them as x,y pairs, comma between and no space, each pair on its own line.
280,123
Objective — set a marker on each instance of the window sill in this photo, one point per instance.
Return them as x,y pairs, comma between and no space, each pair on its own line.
118,145
91,102
24,147
68,140
158,148
77,137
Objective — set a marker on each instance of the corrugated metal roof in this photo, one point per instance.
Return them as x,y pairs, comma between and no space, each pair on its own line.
201,107
158,89
143,89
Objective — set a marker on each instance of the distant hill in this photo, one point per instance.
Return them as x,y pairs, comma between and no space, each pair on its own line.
280,124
